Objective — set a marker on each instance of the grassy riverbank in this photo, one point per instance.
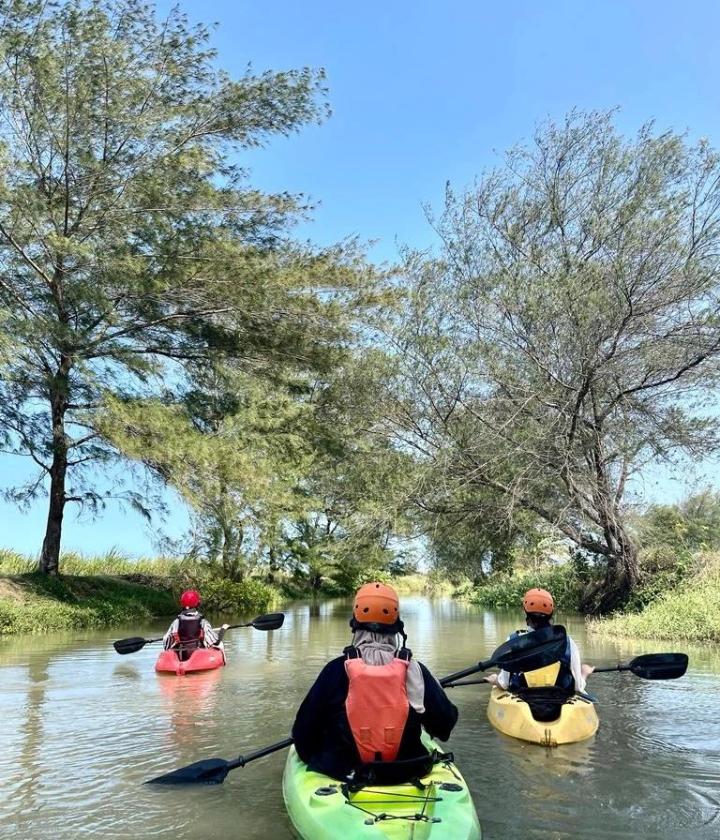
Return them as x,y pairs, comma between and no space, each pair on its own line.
688,611
677,599
111,590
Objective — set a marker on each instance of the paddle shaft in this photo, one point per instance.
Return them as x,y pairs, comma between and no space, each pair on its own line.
242,760
466,672
606,669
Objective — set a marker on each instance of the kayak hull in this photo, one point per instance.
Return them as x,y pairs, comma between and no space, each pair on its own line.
321,809
509,714
202,659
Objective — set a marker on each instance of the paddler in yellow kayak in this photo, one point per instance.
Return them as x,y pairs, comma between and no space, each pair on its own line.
567,673
363,717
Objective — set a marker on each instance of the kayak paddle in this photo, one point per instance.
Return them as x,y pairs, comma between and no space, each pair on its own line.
649,666
523,653
271,621
212,771
653,666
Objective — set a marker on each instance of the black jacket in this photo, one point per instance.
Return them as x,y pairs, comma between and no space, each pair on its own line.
322,734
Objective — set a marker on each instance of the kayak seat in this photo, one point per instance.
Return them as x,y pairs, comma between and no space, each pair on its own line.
545,702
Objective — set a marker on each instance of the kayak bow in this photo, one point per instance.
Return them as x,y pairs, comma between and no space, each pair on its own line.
323,808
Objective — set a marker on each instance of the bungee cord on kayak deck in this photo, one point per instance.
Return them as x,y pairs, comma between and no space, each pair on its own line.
405,798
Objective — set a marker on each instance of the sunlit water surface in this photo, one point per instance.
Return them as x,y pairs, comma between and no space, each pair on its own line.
82,728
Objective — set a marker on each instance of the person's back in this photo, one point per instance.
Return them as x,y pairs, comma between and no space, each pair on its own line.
567,673
191,630
365,713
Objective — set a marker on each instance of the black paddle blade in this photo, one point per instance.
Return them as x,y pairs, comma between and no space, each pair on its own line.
659,666
531,650
522,653
123,646
271,621
210,771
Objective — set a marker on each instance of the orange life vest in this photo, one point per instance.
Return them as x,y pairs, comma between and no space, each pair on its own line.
377,707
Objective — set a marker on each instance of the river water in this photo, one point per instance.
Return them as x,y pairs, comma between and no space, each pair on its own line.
82,728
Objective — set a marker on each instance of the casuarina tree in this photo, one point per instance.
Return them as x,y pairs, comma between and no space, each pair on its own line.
568,332
133,249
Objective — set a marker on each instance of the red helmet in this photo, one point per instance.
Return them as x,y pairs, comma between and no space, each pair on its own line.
190,599
538,602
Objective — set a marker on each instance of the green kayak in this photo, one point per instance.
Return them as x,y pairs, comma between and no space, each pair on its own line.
322,808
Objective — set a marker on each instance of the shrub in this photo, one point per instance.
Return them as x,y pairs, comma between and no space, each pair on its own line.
506,591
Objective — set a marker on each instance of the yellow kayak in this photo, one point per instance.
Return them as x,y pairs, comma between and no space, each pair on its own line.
509,714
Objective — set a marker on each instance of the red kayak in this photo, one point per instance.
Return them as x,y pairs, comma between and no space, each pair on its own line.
202,659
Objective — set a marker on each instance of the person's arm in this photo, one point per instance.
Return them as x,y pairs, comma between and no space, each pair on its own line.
577,668
169,637
310,719
210,637
440,714
221,632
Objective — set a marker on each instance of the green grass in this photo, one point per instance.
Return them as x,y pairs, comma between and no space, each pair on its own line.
112,589
689,612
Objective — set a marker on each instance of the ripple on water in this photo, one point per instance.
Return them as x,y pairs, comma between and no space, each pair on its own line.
84,728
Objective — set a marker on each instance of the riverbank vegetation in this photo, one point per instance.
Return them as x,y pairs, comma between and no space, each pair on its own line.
491,400
679,575
687,611
112,590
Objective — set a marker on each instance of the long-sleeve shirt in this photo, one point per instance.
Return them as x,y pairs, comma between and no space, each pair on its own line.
322,733
210,637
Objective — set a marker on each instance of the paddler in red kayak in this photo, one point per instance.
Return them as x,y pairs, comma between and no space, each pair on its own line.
567,673
191,630
363,717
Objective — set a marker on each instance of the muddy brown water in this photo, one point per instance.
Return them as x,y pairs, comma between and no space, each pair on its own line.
83,728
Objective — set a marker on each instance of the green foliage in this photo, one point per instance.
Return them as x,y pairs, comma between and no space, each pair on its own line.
670,537
221,595
136,255
564,582
551,348
688,612
73,603
692,525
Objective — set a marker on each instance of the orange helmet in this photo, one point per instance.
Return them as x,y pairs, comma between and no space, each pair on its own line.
538,602
376,603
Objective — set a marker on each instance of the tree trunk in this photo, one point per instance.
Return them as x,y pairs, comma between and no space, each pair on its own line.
50,554
621,578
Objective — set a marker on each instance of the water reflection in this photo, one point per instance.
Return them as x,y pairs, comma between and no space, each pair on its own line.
84,728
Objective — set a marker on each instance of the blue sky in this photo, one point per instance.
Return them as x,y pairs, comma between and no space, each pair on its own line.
428,92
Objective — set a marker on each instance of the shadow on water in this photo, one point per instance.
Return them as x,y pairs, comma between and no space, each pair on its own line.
85,727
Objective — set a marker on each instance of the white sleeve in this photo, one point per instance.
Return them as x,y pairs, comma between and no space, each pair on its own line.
576,666
503,679
210,636
168,640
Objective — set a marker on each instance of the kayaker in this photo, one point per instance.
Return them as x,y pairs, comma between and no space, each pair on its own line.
364,714
568,673
190,630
